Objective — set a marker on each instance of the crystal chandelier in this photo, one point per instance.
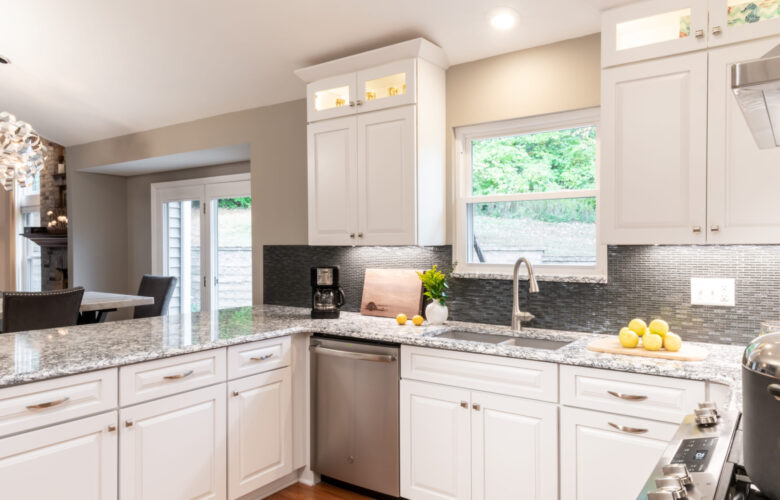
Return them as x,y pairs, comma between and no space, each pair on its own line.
22,152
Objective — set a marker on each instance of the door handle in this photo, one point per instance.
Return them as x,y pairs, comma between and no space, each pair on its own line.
774,390
464,404
359,356
628,430
48,404
179,375
263,357
627,397
476,406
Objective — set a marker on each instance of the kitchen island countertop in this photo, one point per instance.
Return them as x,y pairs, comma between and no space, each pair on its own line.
43,354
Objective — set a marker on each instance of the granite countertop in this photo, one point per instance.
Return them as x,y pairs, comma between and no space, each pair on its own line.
43,354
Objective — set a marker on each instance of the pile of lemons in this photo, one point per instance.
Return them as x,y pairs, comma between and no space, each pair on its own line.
417,320
654,336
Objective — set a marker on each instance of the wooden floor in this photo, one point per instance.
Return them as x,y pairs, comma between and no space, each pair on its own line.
320,491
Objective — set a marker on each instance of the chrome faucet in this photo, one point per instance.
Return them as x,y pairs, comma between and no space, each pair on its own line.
519,316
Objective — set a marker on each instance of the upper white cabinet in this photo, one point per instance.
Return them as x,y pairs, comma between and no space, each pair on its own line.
376,147
654,151
658,28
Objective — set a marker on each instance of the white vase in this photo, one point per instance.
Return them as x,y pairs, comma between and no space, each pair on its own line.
435,313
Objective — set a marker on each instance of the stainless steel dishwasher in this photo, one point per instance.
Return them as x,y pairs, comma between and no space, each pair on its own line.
354,391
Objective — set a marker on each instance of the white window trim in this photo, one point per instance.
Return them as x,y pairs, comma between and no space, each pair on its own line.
25,203
462,179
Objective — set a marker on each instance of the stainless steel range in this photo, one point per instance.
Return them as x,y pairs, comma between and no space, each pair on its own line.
703,461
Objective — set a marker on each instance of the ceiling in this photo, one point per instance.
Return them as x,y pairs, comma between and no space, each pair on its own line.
190,159
84,70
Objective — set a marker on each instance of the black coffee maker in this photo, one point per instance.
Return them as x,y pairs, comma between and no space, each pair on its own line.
326,294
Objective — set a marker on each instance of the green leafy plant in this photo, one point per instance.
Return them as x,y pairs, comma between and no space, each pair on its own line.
435,284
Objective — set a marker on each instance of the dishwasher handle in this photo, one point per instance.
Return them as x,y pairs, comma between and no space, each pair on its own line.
360,356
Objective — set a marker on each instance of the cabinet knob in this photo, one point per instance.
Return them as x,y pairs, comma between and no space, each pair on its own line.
360,235
235,393
699,33
111,428
475,406
359,102
716,30
351,104
128,423
714,228
696,229
464,404
351,235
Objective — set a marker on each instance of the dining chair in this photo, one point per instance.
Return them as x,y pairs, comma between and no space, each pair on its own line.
37,310
159,287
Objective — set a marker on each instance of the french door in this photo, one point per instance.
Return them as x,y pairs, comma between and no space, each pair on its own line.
201,235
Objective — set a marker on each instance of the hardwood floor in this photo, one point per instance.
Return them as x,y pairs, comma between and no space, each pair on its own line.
320,491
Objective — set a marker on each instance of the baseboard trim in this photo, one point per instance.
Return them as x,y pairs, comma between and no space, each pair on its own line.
270,489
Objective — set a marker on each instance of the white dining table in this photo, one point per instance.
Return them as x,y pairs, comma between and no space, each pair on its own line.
96,305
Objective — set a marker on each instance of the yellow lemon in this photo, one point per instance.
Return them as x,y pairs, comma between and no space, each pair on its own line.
652,342
672,342
401,319
638,326
417,320
659,327
628,337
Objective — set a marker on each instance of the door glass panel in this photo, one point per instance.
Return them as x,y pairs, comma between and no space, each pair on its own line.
233,260
181,254
386,86
653,29
32,255
742,12
331,98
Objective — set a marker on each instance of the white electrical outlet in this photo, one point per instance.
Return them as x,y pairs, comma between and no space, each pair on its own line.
712,291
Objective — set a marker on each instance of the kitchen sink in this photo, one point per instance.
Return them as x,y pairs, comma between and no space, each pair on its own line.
489,338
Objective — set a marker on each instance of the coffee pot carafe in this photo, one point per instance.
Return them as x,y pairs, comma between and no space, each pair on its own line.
327,296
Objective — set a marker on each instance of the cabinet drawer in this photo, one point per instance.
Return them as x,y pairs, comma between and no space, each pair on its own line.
646,396
513,377
163,377
258,357
38,404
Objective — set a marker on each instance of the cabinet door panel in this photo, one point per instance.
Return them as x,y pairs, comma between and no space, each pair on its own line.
174,448
73,461
387,85
739,20
332,182
386,177
259,431
599,461
435,442
515,448
331,97
654,125
743,180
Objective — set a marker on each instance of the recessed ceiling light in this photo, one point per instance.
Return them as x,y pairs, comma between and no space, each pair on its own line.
4,60
503,18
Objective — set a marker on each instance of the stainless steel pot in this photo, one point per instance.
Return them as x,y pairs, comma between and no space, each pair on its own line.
761,413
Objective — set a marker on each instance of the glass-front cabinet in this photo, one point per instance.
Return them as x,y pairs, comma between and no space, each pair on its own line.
653,28
332,97
739,20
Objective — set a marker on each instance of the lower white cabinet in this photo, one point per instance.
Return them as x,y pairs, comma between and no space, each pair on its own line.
72,461
606,456
260,436
174,448
461,444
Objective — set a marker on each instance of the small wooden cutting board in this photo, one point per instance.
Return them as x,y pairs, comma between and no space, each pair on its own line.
612,345
388,292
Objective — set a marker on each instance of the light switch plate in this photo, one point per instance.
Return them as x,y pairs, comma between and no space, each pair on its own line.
712,291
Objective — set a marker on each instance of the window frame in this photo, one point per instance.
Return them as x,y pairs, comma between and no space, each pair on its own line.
464,136
26,201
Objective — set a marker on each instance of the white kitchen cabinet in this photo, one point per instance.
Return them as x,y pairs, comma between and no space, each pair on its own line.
514,448
463,444
435,441
260,435
386,177
333,182
72,461
331,97
654,152
740,20
742,180
174,448
606,456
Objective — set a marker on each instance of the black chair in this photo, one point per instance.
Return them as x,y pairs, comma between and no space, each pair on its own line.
37,310
159,287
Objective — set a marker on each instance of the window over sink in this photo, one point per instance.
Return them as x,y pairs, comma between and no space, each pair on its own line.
529,187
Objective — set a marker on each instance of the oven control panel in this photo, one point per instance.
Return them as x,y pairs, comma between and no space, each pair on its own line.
695,453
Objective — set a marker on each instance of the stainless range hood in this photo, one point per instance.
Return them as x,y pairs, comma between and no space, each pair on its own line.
756,84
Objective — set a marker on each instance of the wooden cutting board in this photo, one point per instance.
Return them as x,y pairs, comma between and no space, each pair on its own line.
389,292
612,345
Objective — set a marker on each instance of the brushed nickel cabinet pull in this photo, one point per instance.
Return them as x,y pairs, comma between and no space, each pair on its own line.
263,357
475,406
235,393
351,104
627,397
716,30
351,235
628,430
111,428
359,102
464,404
179,375
696,229
128,423
360,235
48,404
699,33
715,228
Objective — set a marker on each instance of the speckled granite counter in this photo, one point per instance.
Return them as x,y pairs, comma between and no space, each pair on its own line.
38,355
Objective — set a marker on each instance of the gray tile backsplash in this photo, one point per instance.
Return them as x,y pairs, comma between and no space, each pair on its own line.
644,281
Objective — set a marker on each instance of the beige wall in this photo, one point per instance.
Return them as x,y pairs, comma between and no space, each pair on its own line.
277,138
556,77
7,241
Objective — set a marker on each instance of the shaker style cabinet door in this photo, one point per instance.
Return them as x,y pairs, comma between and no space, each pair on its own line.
743,180
332,182
435,442
740,20
260,436
514,448
174,448
654,154
72,461
386,177
606,456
